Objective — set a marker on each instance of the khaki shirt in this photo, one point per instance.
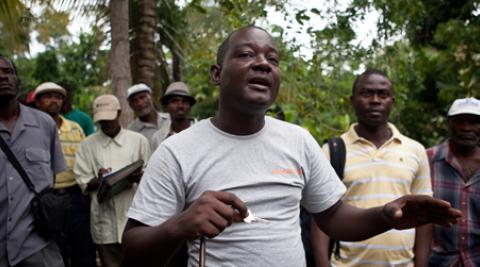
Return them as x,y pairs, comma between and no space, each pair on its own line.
108,219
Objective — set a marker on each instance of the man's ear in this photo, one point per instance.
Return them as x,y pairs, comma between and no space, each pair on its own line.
215,74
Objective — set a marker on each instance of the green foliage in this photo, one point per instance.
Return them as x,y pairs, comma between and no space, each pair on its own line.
81,65
46,67
84,63
84,68
15,23
51,25
429,48
84,98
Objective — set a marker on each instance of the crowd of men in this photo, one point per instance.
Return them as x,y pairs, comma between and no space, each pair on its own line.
231,186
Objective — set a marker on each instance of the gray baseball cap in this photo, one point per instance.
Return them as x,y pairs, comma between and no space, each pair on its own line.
177,89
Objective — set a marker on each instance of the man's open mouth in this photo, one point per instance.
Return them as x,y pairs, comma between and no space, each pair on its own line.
259,83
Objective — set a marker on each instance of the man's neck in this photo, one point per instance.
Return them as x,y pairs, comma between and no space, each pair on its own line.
58,120
180,124
468,158
150,117
464,151
112,135
9,113
377,135
238,124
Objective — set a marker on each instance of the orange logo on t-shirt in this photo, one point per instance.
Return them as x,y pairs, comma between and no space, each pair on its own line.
287,171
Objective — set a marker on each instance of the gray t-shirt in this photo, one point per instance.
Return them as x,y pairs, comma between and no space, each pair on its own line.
272,171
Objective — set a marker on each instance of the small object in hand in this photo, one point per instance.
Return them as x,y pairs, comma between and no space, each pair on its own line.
252,218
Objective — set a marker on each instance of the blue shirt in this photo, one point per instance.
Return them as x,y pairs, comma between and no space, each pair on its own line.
35,143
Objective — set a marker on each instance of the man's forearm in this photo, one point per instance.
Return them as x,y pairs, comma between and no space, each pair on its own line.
149,246
93,184
423,241
345,222
320,245
207,216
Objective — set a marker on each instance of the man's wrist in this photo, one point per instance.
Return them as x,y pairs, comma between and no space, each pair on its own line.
385,218
174,230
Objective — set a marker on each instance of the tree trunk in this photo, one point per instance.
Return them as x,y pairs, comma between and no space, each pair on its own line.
119,63
146,33
177,71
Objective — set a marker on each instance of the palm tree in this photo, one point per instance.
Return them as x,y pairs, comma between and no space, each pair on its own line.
143,21
119,65
149,57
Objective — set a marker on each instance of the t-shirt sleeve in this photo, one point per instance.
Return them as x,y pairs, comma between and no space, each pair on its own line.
323,187
83,169
421,183
161,193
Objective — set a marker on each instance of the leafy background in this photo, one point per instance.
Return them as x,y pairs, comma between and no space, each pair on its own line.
429,48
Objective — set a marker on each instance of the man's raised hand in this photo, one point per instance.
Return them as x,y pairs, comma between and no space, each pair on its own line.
416,210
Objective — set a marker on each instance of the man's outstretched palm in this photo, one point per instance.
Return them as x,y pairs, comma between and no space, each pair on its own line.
415,210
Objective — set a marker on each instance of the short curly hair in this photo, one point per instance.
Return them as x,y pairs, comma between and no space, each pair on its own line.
366,73
223,48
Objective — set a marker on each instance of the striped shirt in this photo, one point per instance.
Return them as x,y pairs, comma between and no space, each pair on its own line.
375,176
458,245
71,134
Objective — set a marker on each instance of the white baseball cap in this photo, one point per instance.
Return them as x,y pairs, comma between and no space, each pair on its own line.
469,105
138,88
49,87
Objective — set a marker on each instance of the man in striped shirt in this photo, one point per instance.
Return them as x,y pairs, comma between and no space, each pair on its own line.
381,165
76,245
455,167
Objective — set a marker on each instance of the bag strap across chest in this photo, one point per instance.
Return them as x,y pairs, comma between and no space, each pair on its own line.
16,164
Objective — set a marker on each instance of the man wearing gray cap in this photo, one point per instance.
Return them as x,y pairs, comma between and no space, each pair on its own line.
76,244
455,169
178,102
148,119
108,150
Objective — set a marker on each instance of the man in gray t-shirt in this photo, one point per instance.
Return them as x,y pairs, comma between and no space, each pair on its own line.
32,136
270,179
208,179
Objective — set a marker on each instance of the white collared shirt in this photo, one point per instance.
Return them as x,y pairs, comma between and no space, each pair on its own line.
108,219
